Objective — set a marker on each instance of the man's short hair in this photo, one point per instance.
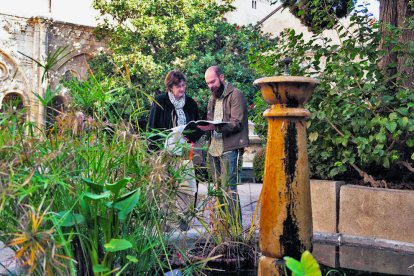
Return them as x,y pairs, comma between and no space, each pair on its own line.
173,77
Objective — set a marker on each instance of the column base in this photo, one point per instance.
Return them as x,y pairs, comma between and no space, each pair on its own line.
270,267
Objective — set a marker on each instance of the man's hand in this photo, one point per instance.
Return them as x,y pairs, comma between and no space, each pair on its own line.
207,127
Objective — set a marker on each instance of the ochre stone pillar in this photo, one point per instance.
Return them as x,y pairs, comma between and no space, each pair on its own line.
286,215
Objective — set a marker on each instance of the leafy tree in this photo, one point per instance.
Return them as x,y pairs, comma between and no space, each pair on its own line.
358,124
149,36
319,14
152,37
324,14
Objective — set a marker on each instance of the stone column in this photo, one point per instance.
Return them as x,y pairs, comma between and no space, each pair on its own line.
286,215
40,51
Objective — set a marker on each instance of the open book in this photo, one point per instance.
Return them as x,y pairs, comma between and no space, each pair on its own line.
192,133
189,132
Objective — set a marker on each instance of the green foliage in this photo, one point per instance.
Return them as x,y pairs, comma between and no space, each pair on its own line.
110,95
307,266
360,116
150,36
258,164
230,47
318,15
102,194
103,189
153,37
115,245
52,58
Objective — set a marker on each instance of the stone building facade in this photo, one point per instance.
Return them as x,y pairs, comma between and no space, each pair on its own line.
26,40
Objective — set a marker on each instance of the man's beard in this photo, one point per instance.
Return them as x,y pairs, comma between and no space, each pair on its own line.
218,91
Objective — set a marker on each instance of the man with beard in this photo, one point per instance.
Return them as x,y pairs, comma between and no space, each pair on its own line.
227,142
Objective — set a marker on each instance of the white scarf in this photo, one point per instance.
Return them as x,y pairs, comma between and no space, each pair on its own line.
178,105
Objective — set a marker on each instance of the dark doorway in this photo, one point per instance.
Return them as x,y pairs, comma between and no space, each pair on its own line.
55,108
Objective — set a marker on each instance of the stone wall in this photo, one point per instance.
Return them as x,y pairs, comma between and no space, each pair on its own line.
24,38
16,71
82,44
249,11
357,214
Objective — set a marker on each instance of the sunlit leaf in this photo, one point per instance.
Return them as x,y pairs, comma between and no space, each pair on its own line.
92,196
311,266
295,266
313,136
132,258
115,245
98,268
307,266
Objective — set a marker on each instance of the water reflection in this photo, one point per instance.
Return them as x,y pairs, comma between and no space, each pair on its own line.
364,259
351,260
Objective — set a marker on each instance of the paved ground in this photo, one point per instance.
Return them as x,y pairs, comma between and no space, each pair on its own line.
7,261
248,194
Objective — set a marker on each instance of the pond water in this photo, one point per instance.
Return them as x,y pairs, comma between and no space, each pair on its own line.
359,260
351,260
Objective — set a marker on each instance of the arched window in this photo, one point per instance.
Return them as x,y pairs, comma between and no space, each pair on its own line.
254,4
12,103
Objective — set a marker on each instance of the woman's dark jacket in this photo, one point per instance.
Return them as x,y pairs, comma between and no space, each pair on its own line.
163,116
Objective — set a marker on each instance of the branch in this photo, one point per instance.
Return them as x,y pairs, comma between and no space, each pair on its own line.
406,165
369,179
335,128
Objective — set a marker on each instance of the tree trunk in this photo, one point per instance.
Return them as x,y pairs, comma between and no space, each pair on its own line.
405,65
396,13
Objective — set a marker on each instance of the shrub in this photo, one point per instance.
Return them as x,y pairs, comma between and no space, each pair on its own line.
258,164
360,116
92,199
86,197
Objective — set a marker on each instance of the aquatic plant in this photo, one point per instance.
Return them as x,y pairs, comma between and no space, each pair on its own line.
307,266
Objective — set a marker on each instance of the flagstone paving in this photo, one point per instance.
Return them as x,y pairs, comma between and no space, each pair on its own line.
7,260
248,194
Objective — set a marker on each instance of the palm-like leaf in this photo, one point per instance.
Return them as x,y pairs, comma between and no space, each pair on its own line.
51,60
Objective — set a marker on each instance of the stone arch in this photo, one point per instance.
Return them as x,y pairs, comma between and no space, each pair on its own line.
12,76
4,72
83,54
75,64
13,83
